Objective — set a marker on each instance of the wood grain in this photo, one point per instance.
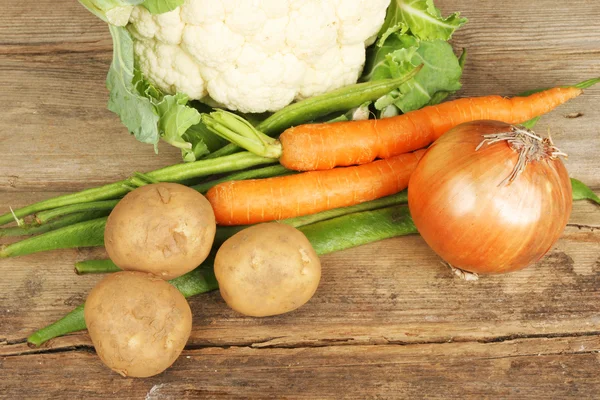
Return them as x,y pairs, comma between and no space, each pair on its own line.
521,368
388,321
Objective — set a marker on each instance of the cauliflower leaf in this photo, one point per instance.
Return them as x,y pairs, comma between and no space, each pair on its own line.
161,6
117,12
385,56
175,119
423,19
147,113
441,73
203,142
405,43
137,112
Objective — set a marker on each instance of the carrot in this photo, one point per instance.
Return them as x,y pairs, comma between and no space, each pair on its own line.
325,146
261,200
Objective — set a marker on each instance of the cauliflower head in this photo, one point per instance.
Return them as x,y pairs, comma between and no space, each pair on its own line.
255,55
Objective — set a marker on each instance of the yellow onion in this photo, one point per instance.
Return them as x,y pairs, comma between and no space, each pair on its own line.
490,198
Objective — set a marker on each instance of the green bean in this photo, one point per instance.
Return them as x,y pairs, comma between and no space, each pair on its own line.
45,216
95,267
398,198
314,107
531,123
35,228
266,172
587,84
341,99
83,234
356,229
223,151
225,232
106,192
200,280
326,236
72,322
173,173
91,233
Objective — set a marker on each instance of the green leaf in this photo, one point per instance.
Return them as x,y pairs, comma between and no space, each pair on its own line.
439,77
161,6
582,192
440,96
175,119
203,142
422,18
399,29
137,112
441,72
115,12
383,58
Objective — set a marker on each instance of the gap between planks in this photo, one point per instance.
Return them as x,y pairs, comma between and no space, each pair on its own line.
271,343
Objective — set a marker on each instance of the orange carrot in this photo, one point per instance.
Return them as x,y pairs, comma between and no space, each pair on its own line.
261,200
325,146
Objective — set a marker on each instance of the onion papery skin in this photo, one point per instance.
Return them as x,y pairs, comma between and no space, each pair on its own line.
470,218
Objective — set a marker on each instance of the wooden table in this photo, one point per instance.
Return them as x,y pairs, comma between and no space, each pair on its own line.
388,321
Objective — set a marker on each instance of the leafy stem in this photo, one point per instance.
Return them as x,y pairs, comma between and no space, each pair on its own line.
240,132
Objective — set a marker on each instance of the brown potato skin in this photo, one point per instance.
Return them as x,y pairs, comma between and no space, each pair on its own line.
267,269
139,323
166,229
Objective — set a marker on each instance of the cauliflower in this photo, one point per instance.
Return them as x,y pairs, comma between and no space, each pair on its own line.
255,55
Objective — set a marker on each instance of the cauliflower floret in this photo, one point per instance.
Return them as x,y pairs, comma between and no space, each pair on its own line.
170,68
165,28
198,12
274,83
340,66
245,19
356,17
312,29
270,39
256,55
199,41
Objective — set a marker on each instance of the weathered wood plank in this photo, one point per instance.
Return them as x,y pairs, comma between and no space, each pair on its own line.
380,324
525,368
404,295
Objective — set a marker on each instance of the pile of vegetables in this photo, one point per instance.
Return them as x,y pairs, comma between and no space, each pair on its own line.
173,60
259,198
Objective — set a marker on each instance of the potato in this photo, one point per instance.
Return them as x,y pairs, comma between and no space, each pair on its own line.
166,229
139,323
267,269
